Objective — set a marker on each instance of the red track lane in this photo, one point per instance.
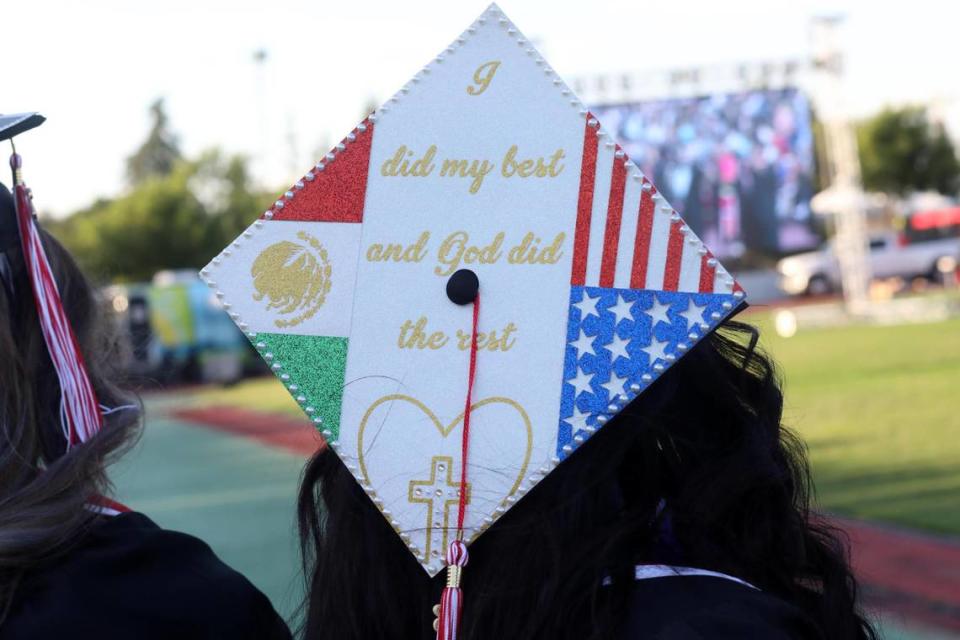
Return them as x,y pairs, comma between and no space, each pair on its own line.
280,431
913,575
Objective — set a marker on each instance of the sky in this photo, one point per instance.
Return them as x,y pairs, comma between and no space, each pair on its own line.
94,67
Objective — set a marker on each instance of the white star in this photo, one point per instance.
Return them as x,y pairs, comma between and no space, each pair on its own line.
615,384
658,313
618,348
657,349
583,344
621,310
581,383
585,305
579,421
579,418
694,314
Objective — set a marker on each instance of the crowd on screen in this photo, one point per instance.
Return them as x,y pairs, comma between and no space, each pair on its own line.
738,167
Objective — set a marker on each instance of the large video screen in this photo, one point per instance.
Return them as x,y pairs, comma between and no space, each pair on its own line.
737,166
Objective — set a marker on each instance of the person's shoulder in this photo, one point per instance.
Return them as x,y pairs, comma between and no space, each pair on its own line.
700,607
130,578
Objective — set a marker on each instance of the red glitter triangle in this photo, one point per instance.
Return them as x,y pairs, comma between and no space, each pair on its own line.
337,192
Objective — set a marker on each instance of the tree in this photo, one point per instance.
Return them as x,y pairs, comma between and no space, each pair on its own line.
223,185
159,153
178,213
177,221
901,151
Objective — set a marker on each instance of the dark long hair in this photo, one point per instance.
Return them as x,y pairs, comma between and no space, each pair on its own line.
44,489
706,441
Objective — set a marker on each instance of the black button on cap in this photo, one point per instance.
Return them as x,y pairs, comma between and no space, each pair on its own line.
462,286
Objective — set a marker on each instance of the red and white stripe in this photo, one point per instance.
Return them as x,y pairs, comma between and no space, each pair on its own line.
627,236
79,409
106,506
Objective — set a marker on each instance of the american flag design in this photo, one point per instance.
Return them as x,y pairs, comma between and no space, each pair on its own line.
628,236
643,289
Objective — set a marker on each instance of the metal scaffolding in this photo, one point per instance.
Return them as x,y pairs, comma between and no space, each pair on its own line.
842,162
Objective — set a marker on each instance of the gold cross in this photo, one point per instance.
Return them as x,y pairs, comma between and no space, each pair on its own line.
439,495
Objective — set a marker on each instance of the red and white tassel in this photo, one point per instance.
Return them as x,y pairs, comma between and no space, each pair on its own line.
451,602
79,409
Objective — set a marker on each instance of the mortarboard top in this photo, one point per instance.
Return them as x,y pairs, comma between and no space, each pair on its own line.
16,123
590,286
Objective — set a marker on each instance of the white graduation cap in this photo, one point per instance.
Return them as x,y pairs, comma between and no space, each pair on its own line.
484,168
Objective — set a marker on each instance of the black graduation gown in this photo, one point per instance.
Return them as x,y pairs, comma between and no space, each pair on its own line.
711,608
130,579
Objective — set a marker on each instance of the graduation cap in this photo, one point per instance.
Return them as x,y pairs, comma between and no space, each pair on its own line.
467,287
16,123
11,125
79,409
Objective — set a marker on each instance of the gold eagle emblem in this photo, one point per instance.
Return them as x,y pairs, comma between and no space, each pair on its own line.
293,277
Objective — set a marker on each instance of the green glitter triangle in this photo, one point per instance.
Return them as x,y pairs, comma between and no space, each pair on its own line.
316,366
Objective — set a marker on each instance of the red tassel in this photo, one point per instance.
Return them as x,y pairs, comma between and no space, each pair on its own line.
451,602
79,409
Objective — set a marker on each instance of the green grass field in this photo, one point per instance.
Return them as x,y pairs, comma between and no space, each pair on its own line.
878,406
880,410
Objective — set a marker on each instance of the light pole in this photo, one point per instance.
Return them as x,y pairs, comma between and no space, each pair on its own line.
260,88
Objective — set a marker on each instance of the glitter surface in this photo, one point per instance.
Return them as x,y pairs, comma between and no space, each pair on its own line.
671,271
616,338
316,366
707,273
641,250
588,173
611,237
337,193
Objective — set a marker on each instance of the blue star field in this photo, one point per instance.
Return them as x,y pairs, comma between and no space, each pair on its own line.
623,338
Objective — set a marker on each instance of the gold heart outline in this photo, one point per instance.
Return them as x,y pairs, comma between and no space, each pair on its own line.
444,432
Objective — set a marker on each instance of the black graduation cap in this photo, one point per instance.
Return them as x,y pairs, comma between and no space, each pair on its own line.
16,123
